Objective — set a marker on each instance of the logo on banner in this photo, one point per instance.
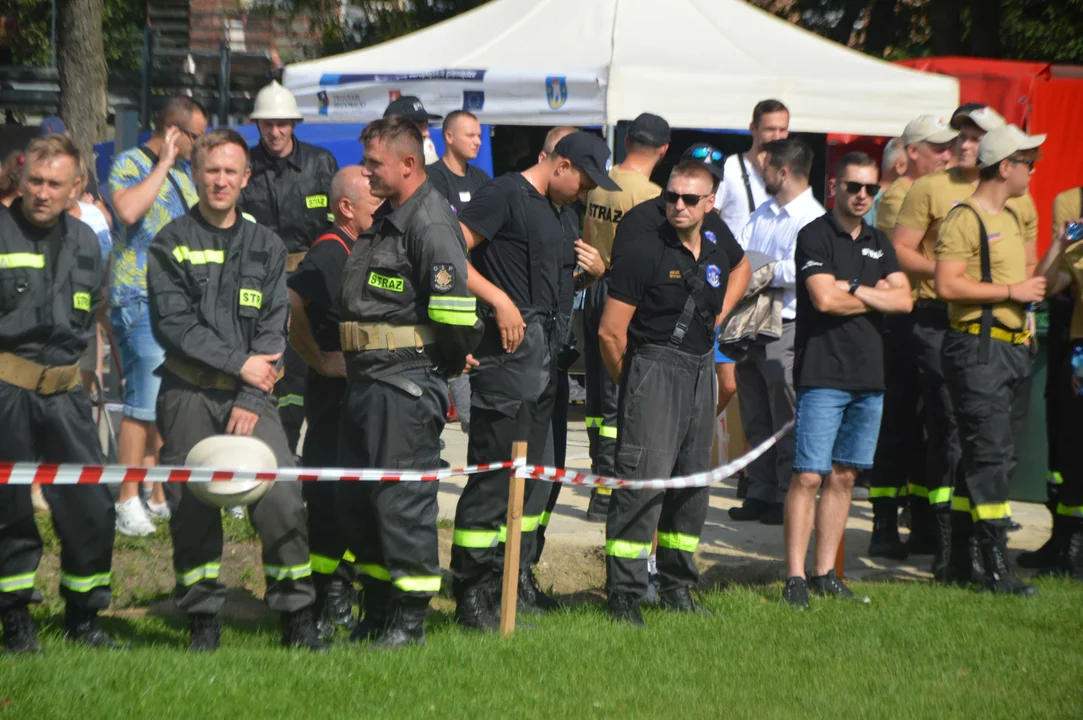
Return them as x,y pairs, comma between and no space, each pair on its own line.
556,91
393,95
323,100
473,99
714,276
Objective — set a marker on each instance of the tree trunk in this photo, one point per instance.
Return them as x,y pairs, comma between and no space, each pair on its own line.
946,24
881,30
80,61
985,28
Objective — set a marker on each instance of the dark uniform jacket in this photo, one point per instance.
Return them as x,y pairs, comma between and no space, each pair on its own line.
50,284
218,295
290,195
409,268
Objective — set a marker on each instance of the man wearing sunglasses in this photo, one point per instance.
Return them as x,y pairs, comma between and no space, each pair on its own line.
926,205
666,299
848,278
982,271
900,456
742,189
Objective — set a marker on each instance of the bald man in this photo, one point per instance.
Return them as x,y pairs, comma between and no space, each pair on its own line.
314,311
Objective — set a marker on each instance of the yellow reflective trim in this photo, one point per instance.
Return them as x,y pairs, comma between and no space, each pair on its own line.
604,491
379,572
960,504
1070,510
249,218
677,541
330,217
21,260
394,284
425,583
627,549
903,492
203,572
459,318
316,201
593,421
1055,478
251,298
918,490
77,583
529,523
322,564
544,521
453,303
199,257
883,492
996,511
287,400
349,557
607,431
11,583
475,538
939,496
292,572
81,301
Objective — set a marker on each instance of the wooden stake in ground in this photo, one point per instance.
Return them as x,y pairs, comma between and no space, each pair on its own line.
510,595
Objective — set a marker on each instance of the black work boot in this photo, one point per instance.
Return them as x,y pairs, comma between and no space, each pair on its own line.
1048,556
1071,562
84,628
375,611
532,599
885,541
333,608
406,626
998,575
19,635
679,599
598,507
624,607
206,631
949,560
474,608
923,538
299,631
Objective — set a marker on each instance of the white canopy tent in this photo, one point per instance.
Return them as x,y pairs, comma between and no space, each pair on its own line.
697,63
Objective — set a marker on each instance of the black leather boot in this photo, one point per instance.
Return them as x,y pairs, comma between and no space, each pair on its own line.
679,599
1071,563
948,559
1048,556
19,635
475,608
333,608
83,627
299,631
999,577
624,608
532,599
885,541
406,626
206,632
375,611
923,528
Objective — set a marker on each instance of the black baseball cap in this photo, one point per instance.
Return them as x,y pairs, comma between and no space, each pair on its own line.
649,130
411,108
709,155
588,152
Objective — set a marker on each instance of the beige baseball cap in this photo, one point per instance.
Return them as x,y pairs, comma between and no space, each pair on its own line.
999,144
983,116
928,128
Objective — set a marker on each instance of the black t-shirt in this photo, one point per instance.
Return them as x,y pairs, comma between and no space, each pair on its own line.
647,274
458,190
525,241
650,216
570,221
835,351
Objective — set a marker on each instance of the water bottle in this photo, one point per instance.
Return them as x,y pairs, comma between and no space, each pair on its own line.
1077,366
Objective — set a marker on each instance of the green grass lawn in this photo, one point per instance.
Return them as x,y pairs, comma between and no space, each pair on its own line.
915,652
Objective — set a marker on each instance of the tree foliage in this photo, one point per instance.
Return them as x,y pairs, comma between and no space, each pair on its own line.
122,25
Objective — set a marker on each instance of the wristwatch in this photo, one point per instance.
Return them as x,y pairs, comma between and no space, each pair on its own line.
854,285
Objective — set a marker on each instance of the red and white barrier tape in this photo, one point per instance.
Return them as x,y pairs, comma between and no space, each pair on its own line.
704,479
26,473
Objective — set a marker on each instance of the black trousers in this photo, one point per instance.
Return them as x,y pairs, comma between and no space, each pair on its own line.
327,546
290,391
942,433
187,415
1065,430
512,399
601,404
560,454
1058,393
990,400
900,451
667,405
54,428
390,527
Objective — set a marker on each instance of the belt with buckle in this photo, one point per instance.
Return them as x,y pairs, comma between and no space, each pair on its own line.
35,377
357,337
1020,337
201,377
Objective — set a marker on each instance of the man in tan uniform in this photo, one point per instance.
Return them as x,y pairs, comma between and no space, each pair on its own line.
646,144
924,209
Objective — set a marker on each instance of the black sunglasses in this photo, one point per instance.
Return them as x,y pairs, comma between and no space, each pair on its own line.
689,199
1030,163
187,132
855,187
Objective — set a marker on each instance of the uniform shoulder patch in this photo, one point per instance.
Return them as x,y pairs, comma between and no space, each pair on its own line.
443,278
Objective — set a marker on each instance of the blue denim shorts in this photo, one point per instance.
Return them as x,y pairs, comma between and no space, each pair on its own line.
836,426
140,356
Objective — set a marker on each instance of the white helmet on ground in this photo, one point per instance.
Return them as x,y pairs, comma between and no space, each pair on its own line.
274,102
234,452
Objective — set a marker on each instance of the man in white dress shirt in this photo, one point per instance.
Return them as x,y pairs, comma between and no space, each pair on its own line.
765,376
742,190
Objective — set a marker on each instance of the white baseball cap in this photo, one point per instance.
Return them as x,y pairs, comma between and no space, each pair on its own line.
928,128
999,144
983,116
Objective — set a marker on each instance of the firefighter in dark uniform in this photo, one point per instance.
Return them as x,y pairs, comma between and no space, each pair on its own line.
314,291
669,288
288,193
408,323
50,278
219,308
513,229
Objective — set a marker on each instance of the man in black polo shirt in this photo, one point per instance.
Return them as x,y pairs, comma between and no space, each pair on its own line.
847,278
517,241
452,175
666,297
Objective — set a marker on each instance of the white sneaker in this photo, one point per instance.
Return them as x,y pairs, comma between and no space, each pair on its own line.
132,519
158,511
